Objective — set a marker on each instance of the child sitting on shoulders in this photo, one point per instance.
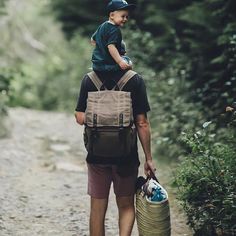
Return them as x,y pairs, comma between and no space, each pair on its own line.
109,52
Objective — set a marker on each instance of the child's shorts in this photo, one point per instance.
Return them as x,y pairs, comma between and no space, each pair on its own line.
100,178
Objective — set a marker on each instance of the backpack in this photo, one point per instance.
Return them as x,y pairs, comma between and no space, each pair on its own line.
109,128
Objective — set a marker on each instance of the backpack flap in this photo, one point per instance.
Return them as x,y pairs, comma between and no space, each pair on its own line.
109,108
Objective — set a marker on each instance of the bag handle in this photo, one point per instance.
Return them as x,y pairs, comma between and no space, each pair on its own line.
124,79
153,176
142,181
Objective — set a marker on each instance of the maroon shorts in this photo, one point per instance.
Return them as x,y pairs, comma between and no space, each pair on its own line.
100,178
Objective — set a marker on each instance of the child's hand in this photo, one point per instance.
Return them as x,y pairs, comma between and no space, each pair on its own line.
124,66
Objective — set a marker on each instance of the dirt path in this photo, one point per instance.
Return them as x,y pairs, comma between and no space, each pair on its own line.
43,179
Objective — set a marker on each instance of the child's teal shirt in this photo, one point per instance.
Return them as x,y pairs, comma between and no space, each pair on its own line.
106,34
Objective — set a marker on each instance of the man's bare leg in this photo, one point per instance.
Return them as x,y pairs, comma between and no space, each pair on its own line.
98,210
126,214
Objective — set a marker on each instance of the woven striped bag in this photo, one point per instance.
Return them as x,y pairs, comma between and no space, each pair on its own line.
153,218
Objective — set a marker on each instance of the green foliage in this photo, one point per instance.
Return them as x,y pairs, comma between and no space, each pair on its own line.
169,117
47,68
5,77
2,5
206,178
200,37
83,15
52,82
213,73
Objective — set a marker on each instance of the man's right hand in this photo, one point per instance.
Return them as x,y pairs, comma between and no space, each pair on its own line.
124,66
149,167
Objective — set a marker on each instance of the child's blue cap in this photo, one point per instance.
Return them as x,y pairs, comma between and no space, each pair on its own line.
115,5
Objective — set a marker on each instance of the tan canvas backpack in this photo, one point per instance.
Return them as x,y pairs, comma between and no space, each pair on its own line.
109,128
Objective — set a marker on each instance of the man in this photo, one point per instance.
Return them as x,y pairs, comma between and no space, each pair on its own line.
101,174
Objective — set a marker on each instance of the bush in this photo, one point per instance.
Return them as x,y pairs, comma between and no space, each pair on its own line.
4,85
5,79
47,68
206,178
52,81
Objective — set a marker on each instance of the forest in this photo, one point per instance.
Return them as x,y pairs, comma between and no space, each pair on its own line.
186,53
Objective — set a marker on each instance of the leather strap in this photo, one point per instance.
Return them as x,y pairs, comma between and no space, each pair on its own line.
96,81
125,78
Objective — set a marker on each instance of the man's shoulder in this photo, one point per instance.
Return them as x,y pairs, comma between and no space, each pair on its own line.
86,83
134,77
136,74
87,77
85,80
134,82
137,77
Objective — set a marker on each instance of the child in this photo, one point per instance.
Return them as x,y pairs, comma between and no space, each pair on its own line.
109,46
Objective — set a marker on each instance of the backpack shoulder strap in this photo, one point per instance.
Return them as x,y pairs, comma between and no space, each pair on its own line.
96,81
125,78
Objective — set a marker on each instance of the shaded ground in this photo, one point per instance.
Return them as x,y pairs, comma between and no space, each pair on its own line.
43,179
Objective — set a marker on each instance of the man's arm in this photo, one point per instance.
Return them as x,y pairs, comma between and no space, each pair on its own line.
144,133
116,56
79,116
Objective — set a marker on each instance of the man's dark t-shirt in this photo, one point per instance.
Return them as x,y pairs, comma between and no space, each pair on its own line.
140,103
